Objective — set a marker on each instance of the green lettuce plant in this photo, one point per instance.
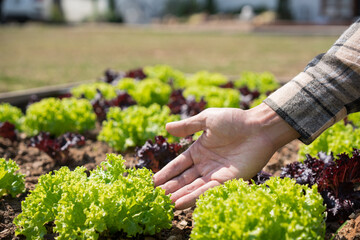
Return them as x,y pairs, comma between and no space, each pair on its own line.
89,90
337,139
354,118
205,78
214,96
258,100
278,209
263,82
110,200
166,74
59,116
11,181
127,84
10,114
147,91
133,126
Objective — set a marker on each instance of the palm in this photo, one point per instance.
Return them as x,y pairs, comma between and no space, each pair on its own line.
220,154
233,145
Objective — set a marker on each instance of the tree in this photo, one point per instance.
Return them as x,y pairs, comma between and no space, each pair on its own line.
210,6
57,12
283,10
112,15
1,14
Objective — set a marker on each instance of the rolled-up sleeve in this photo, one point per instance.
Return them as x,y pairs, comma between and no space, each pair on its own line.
325,92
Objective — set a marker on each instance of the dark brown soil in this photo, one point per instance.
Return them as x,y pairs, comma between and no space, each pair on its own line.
34,163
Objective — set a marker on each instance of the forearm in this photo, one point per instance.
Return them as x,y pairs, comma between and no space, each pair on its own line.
272,126
325,92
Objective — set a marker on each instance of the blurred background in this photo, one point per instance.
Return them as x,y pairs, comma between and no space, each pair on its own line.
51,42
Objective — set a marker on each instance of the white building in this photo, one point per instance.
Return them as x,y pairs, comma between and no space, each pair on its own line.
80,10
144,11
230,5
322,11
313,11
140,11
73,10
316,11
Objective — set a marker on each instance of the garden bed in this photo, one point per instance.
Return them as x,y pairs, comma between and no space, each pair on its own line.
34,163
111,106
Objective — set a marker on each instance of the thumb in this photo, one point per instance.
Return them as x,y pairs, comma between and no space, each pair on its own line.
187,126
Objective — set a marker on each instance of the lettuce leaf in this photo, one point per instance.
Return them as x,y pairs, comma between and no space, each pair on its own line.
11,114
339,138
133,126
214,96
147,91
205,78
110,200
166,74
277,209
263,82
59,116
11,181
89,90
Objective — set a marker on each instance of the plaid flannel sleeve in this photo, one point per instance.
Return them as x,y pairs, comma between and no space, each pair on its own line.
327,90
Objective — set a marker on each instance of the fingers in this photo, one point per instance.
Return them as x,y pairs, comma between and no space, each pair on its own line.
180,181
187,126
174,168
186,196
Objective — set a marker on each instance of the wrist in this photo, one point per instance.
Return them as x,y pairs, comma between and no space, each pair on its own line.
272,127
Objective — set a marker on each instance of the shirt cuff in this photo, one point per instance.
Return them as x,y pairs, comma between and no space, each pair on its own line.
305,106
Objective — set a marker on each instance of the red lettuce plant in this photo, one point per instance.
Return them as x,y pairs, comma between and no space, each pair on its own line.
186,107
155,155
7,130
110,76
260,178
57,148
101,105
337,180
247,97
137,73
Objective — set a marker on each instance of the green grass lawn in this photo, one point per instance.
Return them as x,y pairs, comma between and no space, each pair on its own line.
40,55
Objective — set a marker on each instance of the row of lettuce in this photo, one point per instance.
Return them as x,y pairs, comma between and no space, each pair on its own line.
136,109
278,208
132,126
115,200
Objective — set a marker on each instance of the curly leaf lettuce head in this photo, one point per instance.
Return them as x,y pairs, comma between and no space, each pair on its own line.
127,84
112,199
166,74
354,118
205,78
11,114
277,209
59,116
214,96
263,82
151,91
339,138
133,126
11,181
89,90
258,100
147,91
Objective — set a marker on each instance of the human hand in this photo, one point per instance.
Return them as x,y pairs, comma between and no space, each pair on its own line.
235,144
